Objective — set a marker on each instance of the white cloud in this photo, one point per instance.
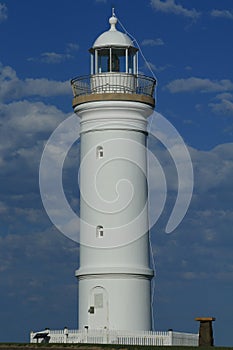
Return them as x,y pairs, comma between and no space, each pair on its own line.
51,57
169,6
224,107
3,12
30,117
199,84
211,205
213,170
225,95
55,57
224,104
205,231
72,47
11,87
222,14
25,127
22,121
152,42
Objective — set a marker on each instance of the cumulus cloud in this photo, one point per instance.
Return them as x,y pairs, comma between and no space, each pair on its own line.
152,42
200,248
222,14
11,87
225,95
213,169
223,104
72,47
199,84
55,57
223,107
24,128
211,211
170,6
3,12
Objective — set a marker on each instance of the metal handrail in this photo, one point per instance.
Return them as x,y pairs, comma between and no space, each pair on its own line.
113,82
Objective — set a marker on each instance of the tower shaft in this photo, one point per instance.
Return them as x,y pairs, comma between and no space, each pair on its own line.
114,274
113,105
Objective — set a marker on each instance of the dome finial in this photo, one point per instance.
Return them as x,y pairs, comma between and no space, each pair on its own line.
113,20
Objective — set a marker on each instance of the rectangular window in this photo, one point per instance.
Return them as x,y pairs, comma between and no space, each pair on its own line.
103,60
99,152
118,60
99,231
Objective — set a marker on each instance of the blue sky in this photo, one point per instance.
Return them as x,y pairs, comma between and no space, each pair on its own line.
188,44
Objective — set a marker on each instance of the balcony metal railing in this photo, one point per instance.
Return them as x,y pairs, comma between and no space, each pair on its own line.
113,83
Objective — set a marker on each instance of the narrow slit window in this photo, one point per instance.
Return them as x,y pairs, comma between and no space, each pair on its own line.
99,231
99,152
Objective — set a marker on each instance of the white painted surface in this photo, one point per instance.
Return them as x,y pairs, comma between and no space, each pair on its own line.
113,37
114,198
112,82
127,306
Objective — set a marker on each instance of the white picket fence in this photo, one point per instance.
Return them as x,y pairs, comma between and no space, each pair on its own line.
106,336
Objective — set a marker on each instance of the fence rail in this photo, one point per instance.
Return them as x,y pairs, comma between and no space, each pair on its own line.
113,83
105,336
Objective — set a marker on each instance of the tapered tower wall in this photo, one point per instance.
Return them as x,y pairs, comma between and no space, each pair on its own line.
113,105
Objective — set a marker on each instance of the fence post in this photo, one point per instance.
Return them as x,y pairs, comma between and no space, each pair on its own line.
66,333
170,336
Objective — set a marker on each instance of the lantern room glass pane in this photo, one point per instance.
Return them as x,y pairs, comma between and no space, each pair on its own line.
118,60
130,64
103,60
131,55
114,59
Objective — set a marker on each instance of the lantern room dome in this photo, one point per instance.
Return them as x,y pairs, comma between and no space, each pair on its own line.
113,37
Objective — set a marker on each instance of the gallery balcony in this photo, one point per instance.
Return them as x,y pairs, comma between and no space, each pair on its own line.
113,86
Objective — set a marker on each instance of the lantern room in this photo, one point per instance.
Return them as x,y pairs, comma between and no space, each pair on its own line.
113,52
113,71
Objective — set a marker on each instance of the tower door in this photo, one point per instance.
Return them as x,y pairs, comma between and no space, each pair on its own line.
98,308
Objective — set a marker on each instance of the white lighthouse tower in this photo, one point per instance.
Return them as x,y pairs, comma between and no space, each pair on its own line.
113,104
114,277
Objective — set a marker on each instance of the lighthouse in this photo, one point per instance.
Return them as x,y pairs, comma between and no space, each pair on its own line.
113,104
